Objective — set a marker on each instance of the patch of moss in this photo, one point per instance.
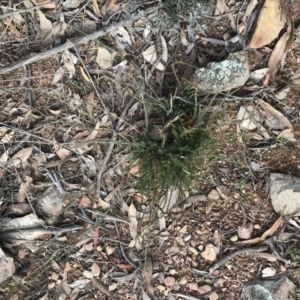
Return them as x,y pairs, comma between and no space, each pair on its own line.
295,257
298,293
174,8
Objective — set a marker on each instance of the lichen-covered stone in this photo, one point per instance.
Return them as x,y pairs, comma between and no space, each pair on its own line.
223,76
280,289
285,193
7,266
50,202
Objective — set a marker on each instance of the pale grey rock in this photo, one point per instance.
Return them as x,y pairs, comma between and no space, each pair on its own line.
223,76
223,191
280,289
285,191
50,202
7,267
213,195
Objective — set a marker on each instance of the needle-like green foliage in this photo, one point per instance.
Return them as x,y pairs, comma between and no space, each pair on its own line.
170,154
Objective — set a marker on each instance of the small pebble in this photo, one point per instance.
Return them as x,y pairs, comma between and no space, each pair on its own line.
54,276
234,238
213,296
180,241
193,286
109,250
183,281
201,247
183,229
112,286
213,195
88,274
169,281
89,247
204,289
193,250
161,288
187,238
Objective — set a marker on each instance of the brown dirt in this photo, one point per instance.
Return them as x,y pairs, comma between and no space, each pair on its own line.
60,114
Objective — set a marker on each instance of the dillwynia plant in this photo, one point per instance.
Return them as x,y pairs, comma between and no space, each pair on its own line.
170,154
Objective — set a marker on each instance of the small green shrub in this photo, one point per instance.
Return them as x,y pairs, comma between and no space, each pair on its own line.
298,293
239,183
174,8
295,257
281,140
169,155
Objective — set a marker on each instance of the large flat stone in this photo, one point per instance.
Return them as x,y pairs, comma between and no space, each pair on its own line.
280,289
223,76
285,191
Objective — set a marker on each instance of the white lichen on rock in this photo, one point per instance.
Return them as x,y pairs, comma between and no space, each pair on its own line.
223,76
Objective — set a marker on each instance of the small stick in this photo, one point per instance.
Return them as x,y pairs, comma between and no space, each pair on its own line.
270,243
69,44
107,216
54,179
235,253
186,297
25,233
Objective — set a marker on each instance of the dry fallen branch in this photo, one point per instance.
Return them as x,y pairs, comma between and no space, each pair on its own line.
80,41
275,113
267,233
270,243
31,233
235,253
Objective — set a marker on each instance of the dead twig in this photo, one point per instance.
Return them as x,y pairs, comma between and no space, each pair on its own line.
270,243
186,297
25,233
55,180
80,41
108,217
235,253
